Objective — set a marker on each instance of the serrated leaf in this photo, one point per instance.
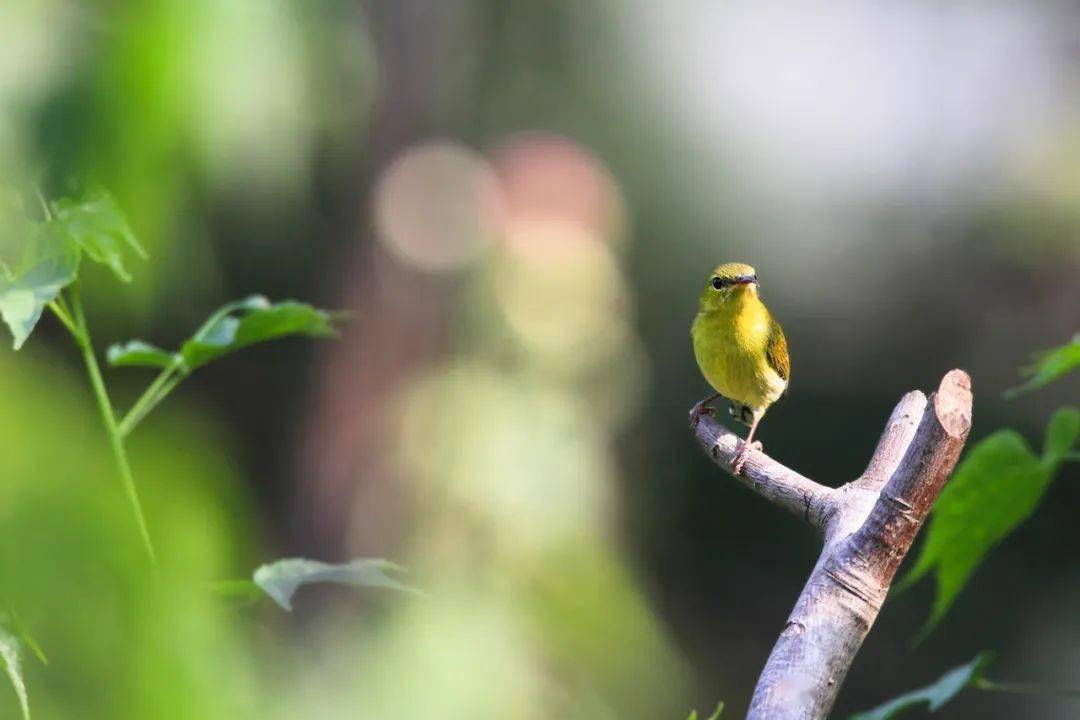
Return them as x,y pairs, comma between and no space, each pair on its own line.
97,225
50,263
1061,434
250,321
11,656
1048,366
136,353
234,326
935,695
281,579
996,487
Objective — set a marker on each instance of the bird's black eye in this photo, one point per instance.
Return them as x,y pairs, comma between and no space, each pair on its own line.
717,283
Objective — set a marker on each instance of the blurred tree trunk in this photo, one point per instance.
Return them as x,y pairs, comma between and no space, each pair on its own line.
351,500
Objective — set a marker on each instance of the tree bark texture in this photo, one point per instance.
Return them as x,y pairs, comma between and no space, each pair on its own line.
867,525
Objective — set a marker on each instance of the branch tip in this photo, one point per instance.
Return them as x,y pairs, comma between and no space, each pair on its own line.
952,403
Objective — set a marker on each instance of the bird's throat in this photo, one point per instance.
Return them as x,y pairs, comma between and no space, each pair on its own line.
745,317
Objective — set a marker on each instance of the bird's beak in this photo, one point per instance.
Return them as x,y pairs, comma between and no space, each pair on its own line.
746,280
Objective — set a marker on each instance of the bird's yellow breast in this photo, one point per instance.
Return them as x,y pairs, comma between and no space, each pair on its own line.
730,344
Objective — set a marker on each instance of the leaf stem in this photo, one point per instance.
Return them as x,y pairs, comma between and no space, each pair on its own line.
109,418
162,394
1026,689
60,311
157,391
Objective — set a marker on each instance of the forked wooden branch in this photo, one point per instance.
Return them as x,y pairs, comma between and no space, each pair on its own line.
868,526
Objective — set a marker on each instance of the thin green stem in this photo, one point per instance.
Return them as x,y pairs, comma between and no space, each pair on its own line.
64,316
158,390
62,303
1027,689
162,394
131,418
109,418
44,202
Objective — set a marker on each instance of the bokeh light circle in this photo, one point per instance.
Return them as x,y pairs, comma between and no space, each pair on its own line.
547,177
436,206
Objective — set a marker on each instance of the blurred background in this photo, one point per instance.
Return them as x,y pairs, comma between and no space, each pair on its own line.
520,201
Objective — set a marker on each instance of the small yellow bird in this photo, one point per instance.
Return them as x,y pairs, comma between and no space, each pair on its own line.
740,349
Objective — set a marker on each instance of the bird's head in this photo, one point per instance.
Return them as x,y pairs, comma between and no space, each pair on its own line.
729,282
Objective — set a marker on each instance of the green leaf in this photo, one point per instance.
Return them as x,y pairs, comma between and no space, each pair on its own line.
14,228
250,321
714,716
281,579
1048,366
1061,434
52,250
11,656
996,487
136,353
97,225
50,263
233,327
936,694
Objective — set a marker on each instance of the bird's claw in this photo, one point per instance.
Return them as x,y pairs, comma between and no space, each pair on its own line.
700,409
744,452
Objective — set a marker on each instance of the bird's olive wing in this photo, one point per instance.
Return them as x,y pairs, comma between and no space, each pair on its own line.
776,351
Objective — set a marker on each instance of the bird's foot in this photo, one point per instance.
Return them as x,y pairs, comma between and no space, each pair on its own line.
744,452
741,413
700,409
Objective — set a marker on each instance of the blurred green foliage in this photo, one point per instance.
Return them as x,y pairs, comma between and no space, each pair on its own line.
47,275
997,486
50,262
123,640
95,224
1048,366
11,656
934,695
51,252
